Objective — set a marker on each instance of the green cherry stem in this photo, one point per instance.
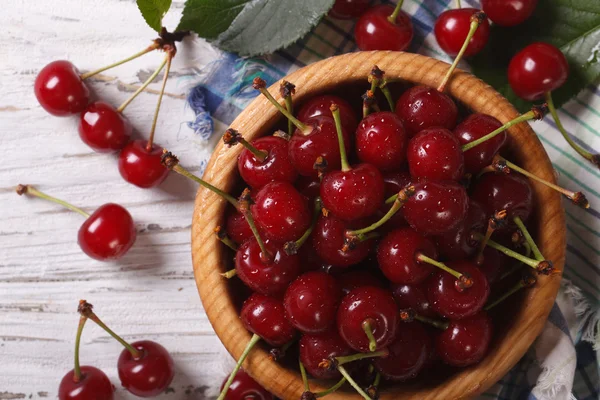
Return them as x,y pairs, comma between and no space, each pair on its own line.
229,274
458,5
536,113
77,369
377,80
410,315
332,389
144,85
360,356
536,251
265,255
255,339
169,59
231,137
593,158
30,190
304,377
369,101
493,223
355,385
287,90
373,390
527,281
476,20
292,248
338,127
148,49
394,15
463,281
226,240
366,326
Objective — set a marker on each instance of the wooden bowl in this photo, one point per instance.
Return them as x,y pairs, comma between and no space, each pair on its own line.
259,118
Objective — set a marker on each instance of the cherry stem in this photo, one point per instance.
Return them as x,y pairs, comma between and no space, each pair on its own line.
253,340
493,223
518,266
332,389
526,281
265,255
377,80
355,385
463,281
77,369
260,85
170,161
277,353
536,251
476,19
292,248
537,113
458,5
443,325
360,356
86,310
229,274
394,15
369,101
148,49
304,377
335,110
366,326
28,189
231,137
169,59
578,198
374,388
222,236
593,158
144,86
287,90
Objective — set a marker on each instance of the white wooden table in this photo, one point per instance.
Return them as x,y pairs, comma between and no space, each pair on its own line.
150,293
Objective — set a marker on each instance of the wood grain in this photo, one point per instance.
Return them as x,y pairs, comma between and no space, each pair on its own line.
259,118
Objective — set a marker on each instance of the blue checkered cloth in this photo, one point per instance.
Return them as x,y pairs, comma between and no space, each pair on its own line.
562,363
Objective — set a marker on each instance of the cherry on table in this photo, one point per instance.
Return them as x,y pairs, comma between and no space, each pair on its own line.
384,27
413,297
348,9
244,387
459,243
103,128
314,348
321,105
476,126
435,154
452,28
465,342
508,13
92,385
422,107
60,90
381,141
149,374
141,166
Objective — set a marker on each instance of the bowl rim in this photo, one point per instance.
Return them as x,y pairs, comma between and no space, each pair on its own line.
259,116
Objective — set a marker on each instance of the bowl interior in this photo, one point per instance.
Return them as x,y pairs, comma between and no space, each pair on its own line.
518,321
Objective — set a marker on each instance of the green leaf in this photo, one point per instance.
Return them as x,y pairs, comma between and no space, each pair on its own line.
209,18
153,11
571,25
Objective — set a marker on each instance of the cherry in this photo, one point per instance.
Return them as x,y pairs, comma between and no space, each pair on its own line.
237,227
316,348
450,302
422,107
140,166
149,374
537,69
436,207
384,27
459,244
367,318
435,154
60,90
263,161
354,279
311,302
265,317
92,385
494,262
508,13
397,256
474,127
381,141
103,128
348,9
452,28
329,237
465,342
321,105
244,387
408,353
310,187
281,212
414,298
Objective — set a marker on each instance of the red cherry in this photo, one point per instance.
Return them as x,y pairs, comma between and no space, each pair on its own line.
322,141
237,227
311,302
281,212
310,187
93,385
275,167
422,107
108,233
451,30
408,353
103,128
393,183
414,298
436,207
448,301
381,141
149,375
367,304
141,167
374,31
353,194
265,316
328,239
435,154
537,69
494,263
497,192
508,12
244,387
321,105
459,243
316,348
472,128
348,9
270,277
397,252
465,342
354,279
60,90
